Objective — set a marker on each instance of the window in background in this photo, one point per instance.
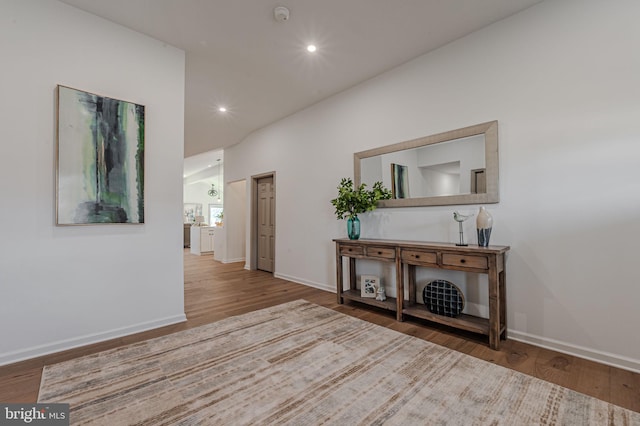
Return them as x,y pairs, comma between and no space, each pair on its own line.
214,211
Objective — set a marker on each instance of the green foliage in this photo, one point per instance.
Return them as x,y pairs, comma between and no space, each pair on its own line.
351,201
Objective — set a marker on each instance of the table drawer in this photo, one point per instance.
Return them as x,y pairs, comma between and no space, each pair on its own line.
417,257
351,250
381,252
465,261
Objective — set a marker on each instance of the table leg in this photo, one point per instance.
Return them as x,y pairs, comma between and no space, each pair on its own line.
352,274
494,305
339,275
399,286
503,304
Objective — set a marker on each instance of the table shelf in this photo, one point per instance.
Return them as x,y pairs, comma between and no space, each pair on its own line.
462,321
483,260
389,304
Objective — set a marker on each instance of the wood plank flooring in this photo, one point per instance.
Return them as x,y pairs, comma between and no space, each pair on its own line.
214,291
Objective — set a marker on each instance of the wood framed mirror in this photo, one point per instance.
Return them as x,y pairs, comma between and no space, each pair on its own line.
455,167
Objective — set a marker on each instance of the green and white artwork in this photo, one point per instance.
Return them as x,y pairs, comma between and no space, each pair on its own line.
100,159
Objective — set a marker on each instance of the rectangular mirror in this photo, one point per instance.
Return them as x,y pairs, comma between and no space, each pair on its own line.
455,167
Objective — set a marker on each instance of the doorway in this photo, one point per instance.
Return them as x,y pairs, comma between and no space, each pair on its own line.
478,181
263,240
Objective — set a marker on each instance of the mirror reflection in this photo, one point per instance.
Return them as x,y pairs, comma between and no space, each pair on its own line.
456,167
447,168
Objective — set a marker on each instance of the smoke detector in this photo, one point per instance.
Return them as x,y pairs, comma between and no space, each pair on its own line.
281,13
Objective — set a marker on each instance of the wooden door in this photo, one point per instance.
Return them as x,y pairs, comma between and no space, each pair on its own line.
266,224
478,181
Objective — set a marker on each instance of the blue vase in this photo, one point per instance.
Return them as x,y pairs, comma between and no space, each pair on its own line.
353,228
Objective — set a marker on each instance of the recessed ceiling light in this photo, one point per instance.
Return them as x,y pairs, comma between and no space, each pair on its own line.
222,109
209,165
311,48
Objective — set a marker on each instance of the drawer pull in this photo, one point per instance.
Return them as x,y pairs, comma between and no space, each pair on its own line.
462,260
417,257
379,253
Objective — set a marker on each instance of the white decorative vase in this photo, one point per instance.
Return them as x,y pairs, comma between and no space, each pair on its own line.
381,295
484,223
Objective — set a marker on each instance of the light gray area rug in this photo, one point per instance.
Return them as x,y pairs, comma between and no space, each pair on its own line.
302,364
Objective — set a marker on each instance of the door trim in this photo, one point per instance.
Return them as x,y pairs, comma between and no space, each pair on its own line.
253,240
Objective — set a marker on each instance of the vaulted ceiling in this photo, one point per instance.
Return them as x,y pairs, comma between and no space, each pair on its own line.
240,57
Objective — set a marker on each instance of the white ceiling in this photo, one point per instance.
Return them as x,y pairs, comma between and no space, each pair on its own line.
239,56
204,161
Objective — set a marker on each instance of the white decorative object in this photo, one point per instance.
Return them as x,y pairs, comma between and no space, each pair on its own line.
369,285
461,218
381,295
484,223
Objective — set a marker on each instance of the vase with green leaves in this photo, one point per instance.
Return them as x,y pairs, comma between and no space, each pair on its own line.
352,201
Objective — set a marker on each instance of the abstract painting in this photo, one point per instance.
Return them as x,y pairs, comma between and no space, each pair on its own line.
399,181
100,167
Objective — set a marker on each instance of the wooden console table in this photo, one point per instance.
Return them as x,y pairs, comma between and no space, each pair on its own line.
483,260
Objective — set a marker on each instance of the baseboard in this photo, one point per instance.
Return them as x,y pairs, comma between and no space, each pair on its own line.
319,286
606,358
239,259
89,339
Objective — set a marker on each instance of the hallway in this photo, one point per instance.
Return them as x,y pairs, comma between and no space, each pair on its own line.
214,291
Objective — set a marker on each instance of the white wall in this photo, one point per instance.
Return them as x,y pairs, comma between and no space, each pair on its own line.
235,224
68,286
562,80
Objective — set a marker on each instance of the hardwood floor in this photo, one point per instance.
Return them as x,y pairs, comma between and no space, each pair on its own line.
214,291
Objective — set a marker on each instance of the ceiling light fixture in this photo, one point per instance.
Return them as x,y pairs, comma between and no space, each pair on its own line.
311,48
222,109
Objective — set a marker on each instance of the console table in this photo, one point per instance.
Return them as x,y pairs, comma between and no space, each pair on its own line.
483,260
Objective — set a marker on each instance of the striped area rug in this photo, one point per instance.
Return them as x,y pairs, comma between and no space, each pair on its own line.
302,364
